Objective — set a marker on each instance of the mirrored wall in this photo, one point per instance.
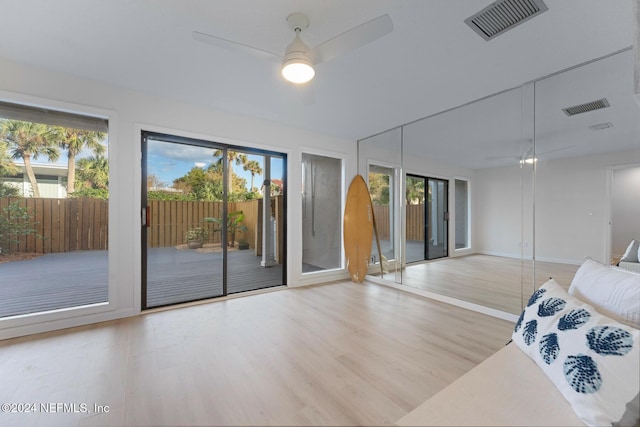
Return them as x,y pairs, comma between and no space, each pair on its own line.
486,201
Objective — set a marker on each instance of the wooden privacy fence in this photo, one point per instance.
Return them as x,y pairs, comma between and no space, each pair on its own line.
66,225
62,225
414,221
169,221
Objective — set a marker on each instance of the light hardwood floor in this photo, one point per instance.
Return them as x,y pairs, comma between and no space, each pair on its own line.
490,281
335,354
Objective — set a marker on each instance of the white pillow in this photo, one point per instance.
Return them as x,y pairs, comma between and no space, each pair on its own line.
590,358
612,291
632,253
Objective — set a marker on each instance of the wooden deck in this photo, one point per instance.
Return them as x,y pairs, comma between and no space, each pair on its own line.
73,279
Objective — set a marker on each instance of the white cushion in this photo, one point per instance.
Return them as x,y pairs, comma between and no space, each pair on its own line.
631,254
590,358
633,267
612,291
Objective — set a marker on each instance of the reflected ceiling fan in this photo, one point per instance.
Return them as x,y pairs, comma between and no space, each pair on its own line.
529,156
299,60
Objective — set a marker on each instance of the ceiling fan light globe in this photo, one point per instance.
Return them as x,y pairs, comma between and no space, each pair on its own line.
529,160
298,70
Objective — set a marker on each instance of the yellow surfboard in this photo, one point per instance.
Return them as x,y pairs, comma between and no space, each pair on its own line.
358,229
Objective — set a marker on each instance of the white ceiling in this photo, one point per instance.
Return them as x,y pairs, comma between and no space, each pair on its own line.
498,130
431,61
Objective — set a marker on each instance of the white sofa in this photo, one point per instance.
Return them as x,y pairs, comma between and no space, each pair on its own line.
633,266
631,258
487,396
515,388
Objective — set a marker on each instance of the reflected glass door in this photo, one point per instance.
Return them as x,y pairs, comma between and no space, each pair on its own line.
427,218
415,218
437,233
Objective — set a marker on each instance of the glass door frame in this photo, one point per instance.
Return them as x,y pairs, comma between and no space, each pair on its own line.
145,214
427,216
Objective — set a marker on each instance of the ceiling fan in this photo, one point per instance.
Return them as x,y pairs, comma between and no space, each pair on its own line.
299,60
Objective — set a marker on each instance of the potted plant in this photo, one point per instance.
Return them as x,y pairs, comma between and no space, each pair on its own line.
234,225
196,236
243,244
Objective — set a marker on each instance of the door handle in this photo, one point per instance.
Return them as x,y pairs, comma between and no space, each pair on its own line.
146,213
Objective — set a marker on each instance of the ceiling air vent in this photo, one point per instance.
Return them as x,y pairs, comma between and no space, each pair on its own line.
503,15
601,126
586,107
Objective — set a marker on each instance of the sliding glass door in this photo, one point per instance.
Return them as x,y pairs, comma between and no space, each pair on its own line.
427,218
206,232
255,238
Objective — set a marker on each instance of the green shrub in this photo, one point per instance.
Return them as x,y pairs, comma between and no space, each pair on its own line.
94,193
197,233
7,190
15,222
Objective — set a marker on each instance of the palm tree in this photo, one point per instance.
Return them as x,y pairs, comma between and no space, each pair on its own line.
253,166
239,159
414,191
7,168
94,170
28,141
74,141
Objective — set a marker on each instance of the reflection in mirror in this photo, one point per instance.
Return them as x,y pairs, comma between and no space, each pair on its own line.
415,239
534,188
625,209
380,163
587,135
475,153
426,218
381,187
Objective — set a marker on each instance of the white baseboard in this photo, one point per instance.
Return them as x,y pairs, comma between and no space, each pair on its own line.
503,255
448,300
560,260
538,258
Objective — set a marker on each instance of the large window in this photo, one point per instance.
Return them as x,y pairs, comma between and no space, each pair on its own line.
321,213
54,180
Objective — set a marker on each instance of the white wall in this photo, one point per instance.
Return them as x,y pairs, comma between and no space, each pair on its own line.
502,211
571,208
625,209
129,111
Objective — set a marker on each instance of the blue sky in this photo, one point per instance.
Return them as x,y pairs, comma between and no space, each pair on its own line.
169,161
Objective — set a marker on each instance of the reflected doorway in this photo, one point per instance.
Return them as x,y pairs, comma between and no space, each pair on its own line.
427,218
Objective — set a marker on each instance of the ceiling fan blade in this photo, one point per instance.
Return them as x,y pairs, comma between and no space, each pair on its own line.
557,149
353,39
235,46
489,158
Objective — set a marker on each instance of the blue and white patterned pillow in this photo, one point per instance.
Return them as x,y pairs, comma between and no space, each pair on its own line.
593,360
